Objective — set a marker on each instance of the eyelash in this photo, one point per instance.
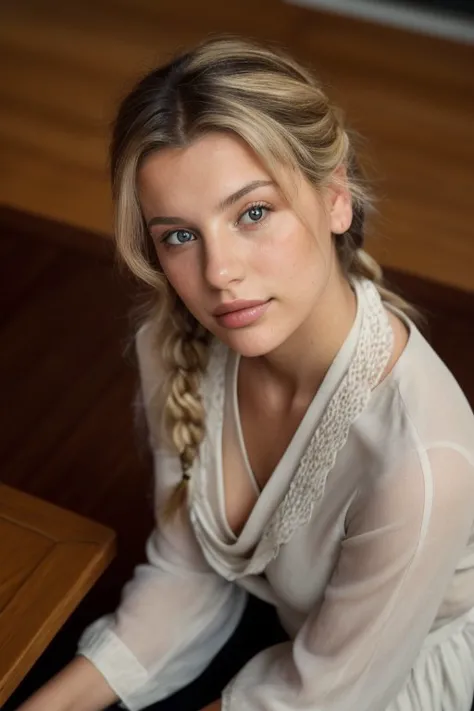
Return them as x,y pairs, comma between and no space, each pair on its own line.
252,206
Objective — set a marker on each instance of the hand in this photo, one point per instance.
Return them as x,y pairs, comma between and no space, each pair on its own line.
215,706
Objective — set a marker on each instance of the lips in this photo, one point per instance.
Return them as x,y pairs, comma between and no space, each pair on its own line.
240,314
238,305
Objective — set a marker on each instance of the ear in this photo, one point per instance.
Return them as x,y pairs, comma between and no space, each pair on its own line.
338,201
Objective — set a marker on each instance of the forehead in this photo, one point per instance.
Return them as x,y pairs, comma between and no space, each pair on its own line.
217,163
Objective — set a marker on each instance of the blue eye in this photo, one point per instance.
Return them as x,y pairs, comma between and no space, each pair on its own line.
179,237
255,213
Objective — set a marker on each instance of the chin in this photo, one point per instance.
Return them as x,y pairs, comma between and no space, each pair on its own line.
248,343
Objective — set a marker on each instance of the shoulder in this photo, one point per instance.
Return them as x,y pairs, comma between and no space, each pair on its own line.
404,450
149,362
420,403
432,399
415,454
144,340
213,382
150,396
417,450
154,376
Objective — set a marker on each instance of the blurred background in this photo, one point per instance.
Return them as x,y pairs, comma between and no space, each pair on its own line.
66,64
403,73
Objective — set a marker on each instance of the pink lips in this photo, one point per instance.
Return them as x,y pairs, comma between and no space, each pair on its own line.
237,314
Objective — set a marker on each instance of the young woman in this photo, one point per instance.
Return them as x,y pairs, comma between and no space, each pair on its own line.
310,448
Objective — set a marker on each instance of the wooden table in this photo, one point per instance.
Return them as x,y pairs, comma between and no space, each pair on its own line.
49,560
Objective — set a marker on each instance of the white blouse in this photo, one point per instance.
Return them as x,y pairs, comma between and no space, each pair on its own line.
364,531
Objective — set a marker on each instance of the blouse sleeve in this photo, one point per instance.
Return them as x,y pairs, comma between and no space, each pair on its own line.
175,613
405,534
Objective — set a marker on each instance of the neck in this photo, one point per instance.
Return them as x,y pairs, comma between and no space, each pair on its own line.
300,364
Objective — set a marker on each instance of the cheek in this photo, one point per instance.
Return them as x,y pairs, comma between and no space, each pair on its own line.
293,255
182,273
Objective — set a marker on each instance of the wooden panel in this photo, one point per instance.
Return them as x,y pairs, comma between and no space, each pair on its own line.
63,555
21,551
17,226
67,64
17,282
34,181
412,98
36,368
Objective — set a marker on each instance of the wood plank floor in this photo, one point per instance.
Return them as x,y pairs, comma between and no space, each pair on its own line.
65,65
66,425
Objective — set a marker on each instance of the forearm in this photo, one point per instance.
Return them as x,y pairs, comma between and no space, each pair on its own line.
78,687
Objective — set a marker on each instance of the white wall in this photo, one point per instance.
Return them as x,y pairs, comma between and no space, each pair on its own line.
450,26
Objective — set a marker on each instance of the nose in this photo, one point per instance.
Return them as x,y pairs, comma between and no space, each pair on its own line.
223,261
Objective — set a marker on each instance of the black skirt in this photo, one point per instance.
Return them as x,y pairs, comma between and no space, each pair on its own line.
258,629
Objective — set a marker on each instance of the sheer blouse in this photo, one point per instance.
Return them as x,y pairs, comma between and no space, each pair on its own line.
364,532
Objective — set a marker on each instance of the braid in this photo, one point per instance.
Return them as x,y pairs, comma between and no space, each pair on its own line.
186,353
353,258
359,263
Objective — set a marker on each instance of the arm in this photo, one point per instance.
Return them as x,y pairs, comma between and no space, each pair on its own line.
175,613
174,616
405,535
65,691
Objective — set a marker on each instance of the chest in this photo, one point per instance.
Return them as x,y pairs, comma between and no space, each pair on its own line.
256,436
266,435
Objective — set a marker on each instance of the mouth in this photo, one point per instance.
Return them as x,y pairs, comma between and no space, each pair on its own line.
238,314
237,305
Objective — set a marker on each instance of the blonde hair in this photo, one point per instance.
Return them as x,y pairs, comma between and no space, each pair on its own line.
280,110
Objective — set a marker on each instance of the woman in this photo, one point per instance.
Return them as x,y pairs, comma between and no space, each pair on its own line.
310,448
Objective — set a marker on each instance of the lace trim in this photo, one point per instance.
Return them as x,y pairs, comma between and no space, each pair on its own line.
213,393
373,350
350,399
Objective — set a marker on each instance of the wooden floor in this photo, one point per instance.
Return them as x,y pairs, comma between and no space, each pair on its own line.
65,65
66,429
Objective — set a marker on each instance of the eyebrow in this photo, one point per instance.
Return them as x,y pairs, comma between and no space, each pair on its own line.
223,205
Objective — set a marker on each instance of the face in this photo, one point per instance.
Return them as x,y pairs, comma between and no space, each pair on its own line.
240,257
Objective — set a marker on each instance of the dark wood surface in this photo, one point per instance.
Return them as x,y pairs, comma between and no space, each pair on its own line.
66,429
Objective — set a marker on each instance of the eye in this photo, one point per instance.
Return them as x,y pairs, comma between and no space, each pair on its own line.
255,213
178,237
